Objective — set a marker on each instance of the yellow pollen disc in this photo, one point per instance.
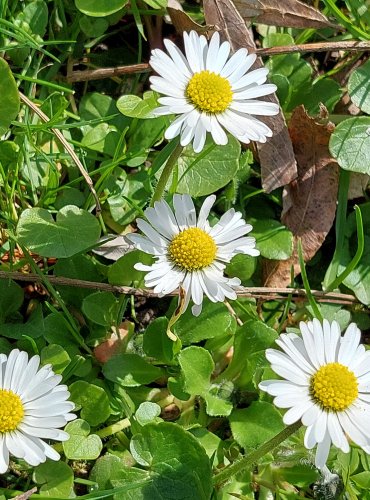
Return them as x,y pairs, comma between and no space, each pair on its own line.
11,411
334,387
209,92
192,249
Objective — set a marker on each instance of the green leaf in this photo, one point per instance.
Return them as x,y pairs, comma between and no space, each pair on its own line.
81,444
254,337
102,138
93,27
92,400
35,14
302,475
273,240
123,273
362,480
359,87
54,478
350,144
130,370
176,465
73,231
135,107
243,266
147,412
56,356
205,173
359,279
256,424
106,468
101,308
197,367
156,343
9,97
214,321
98,8
11,298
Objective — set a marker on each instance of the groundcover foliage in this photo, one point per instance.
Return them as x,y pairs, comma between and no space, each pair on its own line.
167,402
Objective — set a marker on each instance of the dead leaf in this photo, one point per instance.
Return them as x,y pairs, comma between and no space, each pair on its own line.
116,342
183,22
357,185
289,13
309,202
278,165
113,247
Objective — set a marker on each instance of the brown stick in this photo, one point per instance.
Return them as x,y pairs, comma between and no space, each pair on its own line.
353,46
101,73
252,292
67,147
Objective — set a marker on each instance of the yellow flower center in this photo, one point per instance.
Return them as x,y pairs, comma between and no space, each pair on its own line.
192,249
334,387
11,411
209,92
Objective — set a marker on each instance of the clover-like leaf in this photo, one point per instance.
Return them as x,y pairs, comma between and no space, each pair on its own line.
73,231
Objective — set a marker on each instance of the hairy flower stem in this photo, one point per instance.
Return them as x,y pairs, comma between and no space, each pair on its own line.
253,457
165,175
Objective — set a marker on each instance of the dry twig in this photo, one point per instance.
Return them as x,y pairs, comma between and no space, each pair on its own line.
252,292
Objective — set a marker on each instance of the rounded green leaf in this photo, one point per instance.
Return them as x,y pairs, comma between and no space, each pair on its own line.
350,144
55,479
274,240
81,444
73,231
256,424
130,370
359,87
98,8
93,400
11,298
9,97
56,356
214,321
205,173
135,107
176,463
147,412
101,308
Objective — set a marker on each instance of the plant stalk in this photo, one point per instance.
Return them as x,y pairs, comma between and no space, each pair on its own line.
165,175
253,457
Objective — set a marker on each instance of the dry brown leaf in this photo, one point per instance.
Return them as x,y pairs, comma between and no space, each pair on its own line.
289,13
278,165
357,185
309,202
116,342
183,22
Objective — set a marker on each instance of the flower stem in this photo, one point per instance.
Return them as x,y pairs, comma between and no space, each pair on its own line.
253,457
166,172
113,429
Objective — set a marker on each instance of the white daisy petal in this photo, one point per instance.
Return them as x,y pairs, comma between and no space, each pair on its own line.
322,451
326,384
348,344
36,407
202,65
187,253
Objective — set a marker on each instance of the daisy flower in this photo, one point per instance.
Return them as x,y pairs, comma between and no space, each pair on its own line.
32,408
326,385
211,92
189,252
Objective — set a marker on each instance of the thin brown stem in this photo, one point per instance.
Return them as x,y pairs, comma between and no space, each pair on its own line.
101,73
251,292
